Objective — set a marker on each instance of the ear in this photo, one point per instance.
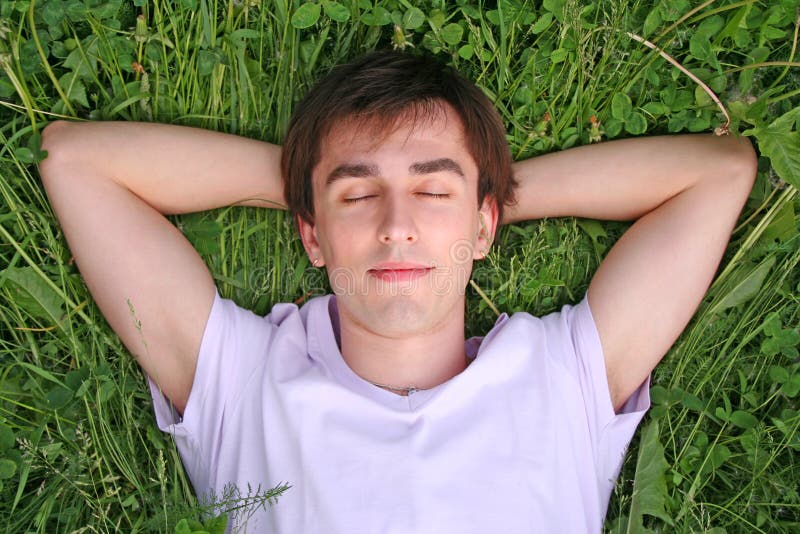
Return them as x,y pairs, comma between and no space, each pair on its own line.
308,234
487,226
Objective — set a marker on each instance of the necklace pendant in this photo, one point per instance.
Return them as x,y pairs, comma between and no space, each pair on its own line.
411,391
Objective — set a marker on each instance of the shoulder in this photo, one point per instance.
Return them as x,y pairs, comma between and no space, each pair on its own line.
281,314
572,324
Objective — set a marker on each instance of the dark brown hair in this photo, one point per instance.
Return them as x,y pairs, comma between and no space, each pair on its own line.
393,86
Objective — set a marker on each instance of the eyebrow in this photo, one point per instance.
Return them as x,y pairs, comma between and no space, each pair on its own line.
436,165
352,170
363,170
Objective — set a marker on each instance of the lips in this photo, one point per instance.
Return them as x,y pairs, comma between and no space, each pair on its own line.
399,271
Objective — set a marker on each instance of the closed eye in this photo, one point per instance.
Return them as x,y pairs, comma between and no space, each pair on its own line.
357,199
435,195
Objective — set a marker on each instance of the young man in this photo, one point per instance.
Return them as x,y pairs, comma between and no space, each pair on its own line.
369,402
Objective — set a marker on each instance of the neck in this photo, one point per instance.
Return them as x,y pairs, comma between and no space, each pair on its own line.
421,360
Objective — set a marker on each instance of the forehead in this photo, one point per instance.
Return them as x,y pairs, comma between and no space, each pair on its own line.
420,135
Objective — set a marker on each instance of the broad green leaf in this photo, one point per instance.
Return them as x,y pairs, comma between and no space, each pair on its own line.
788,337
781,144
635,123
656,108
413,18
649,484
6,438
673,9
770,347
700,124
743,419
31,293
58,397
52,13
452,34
658,394
700,47
595,231
782,227
24,154
306,15
466,51
542,24
32,153
772,33
74,89
76,10
182,527
379,16
701,97
559,55
791,387
437,18
131,502
76,377
7,468
621,106
106,391
651,22
711,26
471,12
195,525
336,11
719,455
202,234
677,122
613,127
6,88
83,60
556,7
217,525
748,286
778,374
693,402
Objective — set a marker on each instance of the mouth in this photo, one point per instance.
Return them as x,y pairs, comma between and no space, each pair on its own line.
399,272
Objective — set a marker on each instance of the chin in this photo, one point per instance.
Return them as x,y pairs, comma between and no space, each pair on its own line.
396,315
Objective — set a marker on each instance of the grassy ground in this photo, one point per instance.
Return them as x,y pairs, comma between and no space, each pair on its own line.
719,450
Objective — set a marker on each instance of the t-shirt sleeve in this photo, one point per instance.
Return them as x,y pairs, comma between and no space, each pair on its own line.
591,370
578,339
233,347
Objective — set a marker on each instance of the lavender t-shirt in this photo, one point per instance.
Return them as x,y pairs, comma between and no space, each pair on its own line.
525,439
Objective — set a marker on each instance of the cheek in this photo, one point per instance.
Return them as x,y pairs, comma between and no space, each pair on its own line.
340,240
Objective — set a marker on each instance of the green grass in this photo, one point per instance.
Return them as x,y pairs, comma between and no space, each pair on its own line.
718,452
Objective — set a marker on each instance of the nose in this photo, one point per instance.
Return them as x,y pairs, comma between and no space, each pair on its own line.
397,225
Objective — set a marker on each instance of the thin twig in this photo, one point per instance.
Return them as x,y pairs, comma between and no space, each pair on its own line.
719,130
484,297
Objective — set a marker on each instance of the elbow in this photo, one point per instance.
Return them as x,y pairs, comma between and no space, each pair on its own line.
51,143
745,162
735,172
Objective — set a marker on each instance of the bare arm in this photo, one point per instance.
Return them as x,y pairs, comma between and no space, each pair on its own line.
110,185
175,169
685,193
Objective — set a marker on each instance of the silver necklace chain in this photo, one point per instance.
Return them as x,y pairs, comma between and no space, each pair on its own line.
409,390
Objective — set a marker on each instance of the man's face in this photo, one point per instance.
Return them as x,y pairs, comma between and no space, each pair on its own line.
397,223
